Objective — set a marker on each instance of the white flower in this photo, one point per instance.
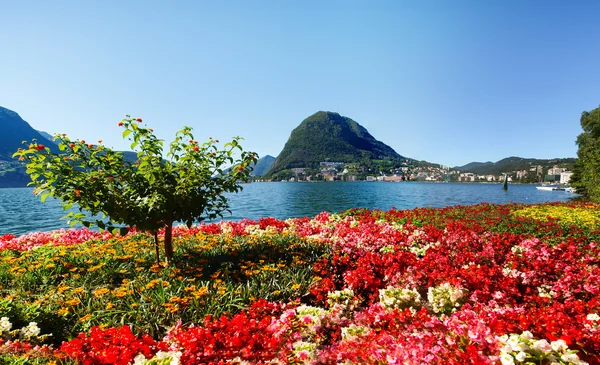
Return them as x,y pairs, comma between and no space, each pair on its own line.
139,360
528,335
590,317
506,359
503,338
32,330
5,325
514,342
542,346
559,345
173,356
521,356
569,357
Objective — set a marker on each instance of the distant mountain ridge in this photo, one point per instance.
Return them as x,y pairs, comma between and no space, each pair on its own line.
48,136
513,163
14,131
263,165
328,136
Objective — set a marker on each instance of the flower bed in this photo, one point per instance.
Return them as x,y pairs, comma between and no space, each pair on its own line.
483,284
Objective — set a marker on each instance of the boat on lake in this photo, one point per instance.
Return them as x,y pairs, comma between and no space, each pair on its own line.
555,187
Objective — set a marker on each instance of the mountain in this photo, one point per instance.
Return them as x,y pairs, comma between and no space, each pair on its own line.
14,131
510,164
263,165
474,165
47,136
328,136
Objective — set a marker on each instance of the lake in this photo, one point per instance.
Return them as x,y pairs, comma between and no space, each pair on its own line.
22,212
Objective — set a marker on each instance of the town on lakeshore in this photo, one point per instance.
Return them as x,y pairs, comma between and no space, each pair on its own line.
340,171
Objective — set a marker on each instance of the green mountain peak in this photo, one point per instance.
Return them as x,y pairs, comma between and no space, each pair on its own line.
328,136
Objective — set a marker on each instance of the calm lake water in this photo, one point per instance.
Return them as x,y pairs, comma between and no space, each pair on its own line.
22,212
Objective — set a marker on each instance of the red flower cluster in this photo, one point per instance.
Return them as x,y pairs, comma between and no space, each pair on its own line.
111,346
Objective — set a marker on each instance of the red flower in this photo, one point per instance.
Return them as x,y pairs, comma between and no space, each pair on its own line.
77,192
240,168
196,149
40,147
72,145
120,124
139,120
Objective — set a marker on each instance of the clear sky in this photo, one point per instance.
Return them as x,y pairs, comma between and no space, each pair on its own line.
446,81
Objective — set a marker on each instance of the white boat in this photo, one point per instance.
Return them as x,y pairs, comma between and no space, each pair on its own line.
549,188
555,187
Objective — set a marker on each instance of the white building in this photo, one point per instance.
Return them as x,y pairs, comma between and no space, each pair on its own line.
565,177
556,170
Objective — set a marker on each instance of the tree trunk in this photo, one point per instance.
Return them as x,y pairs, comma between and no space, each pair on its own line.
169,242
156,248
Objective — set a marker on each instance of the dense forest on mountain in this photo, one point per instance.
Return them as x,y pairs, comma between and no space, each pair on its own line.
328,136
510,164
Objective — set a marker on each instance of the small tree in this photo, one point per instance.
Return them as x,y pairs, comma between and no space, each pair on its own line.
149,194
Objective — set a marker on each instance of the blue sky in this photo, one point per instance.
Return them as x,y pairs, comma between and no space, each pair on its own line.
444,81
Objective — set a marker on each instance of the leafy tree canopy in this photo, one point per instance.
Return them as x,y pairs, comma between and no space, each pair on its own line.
151,193
586,174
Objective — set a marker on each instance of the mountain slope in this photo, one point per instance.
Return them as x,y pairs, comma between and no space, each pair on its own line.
327,136
47,136
263,165
14,131
510,164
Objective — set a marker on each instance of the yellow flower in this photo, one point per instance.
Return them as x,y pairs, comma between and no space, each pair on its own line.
277,292
296,286
120,293
109,306
200,292
73,302
171,307
100,292
78,290
63,311
85,318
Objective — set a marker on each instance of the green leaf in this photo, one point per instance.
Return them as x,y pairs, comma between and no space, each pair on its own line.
126,132
44,196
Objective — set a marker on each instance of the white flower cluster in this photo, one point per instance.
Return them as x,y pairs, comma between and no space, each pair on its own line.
545,291
524,348
5,325
310,317
592,317
518,250
353,331
341,297
31,330
445,298
305,351
421,250
399,298
255,230
161,358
